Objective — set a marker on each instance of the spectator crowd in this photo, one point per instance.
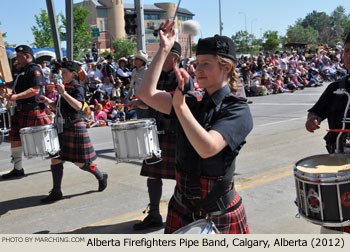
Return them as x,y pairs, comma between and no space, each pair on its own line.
111,84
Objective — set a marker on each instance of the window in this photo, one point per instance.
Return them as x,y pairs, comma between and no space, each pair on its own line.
183,18
101,26
102,13
106,25
152,16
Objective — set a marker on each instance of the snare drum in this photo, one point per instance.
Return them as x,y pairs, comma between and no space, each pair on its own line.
135,139
5,120
39,140
323,189
202,226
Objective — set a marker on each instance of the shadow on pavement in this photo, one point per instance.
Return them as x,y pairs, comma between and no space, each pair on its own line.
25,175
120,228
31,201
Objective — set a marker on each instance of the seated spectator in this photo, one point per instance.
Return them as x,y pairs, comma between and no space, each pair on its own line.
107,107
107,86
89,116
116,94
51,93
100,116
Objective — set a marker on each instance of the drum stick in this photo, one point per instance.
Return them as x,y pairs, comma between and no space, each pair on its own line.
136,97
53,84
34,93
170,92
339,130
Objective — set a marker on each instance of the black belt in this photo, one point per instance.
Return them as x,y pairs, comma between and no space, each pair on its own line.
28,107
222,202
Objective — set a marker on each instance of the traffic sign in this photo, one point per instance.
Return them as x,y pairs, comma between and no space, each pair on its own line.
95,32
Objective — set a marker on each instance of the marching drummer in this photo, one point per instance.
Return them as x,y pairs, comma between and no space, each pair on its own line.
28,111
154,169
331,106
214,128
74,140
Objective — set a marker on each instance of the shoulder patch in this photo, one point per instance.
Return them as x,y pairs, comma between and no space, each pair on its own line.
37,73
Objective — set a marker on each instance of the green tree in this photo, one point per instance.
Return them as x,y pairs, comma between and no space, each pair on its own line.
317,20
300,34
271,41
42,31
4,36
82,33
243,41
123,48
338,23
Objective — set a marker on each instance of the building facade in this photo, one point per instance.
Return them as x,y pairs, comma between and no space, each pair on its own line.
108,17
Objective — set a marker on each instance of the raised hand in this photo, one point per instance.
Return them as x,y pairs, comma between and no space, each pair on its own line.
167,35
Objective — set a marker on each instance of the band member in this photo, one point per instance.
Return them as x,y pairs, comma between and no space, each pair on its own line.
213,130
74,140
28,110
154,169
331,106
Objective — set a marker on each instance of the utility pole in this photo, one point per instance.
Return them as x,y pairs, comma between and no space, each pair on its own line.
221,24
69,28
140,22
54,30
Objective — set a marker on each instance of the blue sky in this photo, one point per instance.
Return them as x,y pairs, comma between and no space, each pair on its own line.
17,16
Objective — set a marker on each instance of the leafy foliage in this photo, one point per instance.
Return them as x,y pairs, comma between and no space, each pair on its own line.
42,31
123,47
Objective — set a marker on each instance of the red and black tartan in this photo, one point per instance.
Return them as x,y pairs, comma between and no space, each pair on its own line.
166,168
345,229
76,145
230,223
23,119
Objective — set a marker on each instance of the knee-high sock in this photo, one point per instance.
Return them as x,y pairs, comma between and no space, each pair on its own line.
155,193
17,157
92,168
57,174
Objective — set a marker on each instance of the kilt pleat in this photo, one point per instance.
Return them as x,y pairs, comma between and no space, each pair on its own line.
76,145
23,119
234,222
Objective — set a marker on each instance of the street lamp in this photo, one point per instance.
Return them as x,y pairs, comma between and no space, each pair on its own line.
245,19
251,25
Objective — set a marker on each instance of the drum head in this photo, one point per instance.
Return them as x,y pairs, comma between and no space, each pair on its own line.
3,110
30,130
324,166
131,124
201,226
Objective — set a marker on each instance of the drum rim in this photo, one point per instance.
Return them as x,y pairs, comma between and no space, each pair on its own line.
207,227
4,109
33,129
324,223
138,123
321,177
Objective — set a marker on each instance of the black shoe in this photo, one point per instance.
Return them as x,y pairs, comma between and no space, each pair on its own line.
102,184
14,174
53,196
149,222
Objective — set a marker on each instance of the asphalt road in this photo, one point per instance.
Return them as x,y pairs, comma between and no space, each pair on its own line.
264,179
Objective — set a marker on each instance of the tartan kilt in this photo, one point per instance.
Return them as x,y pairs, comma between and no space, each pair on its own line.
234,222
345,229
166,168
23,119
76,145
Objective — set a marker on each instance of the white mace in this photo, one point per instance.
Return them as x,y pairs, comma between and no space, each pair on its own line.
192,28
